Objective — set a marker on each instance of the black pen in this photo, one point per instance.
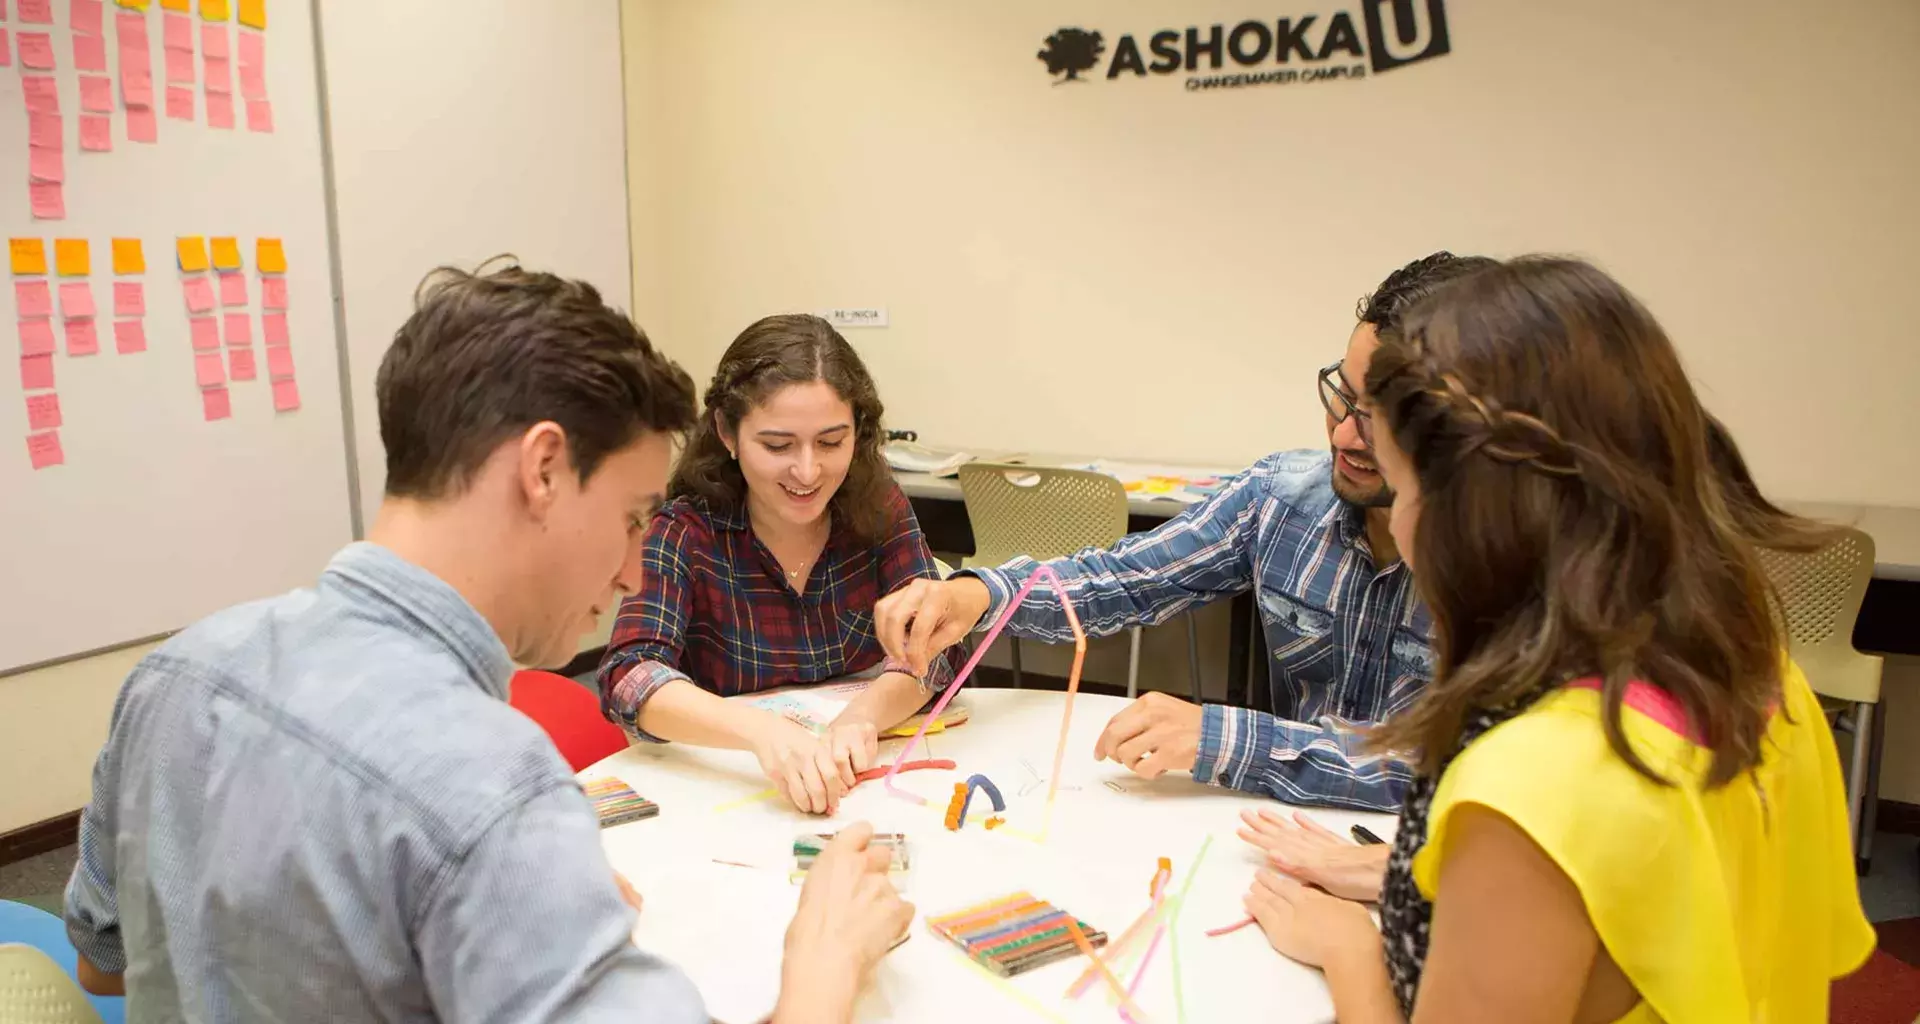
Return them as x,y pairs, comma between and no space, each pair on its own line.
1364,837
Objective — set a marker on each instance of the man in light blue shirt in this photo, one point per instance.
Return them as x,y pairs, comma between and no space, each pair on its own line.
319,807
1306,531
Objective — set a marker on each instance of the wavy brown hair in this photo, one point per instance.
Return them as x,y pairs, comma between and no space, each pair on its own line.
1580,513
770,354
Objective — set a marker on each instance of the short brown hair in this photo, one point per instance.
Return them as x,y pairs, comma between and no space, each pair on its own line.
773,352
491,352
1575,518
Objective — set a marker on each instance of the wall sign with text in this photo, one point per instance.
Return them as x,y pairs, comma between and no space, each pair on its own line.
1384,35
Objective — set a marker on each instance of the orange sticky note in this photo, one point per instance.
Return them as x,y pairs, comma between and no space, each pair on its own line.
226,253
71,257
269,256
192,250
213,10
134,5
29,255
128,257
253,13
176,5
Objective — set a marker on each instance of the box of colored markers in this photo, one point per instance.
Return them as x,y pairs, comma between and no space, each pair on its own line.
615,802
807,847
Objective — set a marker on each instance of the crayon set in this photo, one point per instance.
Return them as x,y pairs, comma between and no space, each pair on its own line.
616,803
807,847
1014,934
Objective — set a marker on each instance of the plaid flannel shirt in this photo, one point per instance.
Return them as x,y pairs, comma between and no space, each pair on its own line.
1349,642
715,609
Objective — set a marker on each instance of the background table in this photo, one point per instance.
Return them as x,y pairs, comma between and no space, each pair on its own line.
725,924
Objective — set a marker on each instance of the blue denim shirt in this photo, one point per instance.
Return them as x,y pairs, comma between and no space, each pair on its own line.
319,807
1349,641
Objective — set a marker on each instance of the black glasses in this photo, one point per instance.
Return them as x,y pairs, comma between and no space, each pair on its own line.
1339,400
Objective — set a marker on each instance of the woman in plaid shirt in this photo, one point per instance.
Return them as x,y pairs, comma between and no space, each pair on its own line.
782,529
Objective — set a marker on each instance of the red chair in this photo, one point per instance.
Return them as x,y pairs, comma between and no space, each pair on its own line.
570,713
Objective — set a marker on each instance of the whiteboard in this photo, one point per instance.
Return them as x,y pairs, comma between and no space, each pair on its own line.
159,516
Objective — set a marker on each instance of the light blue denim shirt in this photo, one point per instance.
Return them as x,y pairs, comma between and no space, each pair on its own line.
319,807
1348,640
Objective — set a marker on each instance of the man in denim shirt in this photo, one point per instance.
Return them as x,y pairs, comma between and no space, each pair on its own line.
1306,531
319,806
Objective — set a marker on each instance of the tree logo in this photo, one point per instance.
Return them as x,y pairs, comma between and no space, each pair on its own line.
1072,50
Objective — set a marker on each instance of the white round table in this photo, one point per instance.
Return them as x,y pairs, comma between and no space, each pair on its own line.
724,923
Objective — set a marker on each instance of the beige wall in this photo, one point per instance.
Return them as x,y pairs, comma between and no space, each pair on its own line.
1164,270
52,722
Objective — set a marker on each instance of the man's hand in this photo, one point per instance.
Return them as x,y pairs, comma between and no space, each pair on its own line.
97,981
1153,735
849,917
800,765
1306,851
925,617
627,891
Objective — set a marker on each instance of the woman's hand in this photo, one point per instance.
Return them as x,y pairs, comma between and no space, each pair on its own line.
1305,850
854,745
800,765
1305,924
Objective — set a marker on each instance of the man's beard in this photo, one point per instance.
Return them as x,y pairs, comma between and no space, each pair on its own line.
1378,496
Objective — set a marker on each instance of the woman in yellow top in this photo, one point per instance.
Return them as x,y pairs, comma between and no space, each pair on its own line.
1629,806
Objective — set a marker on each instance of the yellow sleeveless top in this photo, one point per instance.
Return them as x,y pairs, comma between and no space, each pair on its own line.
1735,905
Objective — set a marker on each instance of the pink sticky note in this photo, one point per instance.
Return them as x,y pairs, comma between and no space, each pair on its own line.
36,51
46,164
36,337
286,395
76,299
90,53
32,298
43,450
36,372
208,371
239,329
253,49
273,291
199,293
219,110
6,47
129,298
136,86
48,199
83,339
43,94
132,26
36,12
260,116
205,332
274,326
219,75
142,125
96,94
88,17
216,403
179,67
44,129
43,411
213,41
96,132
179,103
176,31
279,362
129,336
253,82
233,288
240,364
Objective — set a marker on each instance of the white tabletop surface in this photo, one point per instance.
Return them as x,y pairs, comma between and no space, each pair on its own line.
724,924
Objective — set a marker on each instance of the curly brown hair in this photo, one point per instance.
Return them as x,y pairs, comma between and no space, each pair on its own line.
772,353
1580,513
